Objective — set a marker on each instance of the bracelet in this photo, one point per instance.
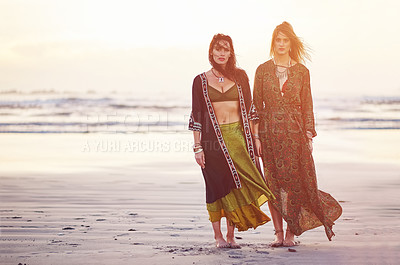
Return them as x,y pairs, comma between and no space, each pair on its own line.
256,136
197,147
198,151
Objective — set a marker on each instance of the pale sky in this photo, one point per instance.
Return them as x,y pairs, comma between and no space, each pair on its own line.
148,47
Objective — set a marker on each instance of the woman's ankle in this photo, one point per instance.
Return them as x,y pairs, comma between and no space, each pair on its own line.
218,236
228,235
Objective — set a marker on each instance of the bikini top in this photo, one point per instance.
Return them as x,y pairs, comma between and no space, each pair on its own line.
230,95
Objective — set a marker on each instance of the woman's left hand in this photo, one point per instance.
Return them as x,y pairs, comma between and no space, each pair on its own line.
310,145
258,146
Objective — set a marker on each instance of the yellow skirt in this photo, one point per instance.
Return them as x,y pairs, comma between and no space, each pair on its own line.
241,206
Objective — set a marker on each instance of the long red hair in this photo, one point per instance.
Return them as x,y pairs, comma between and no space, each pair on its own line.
231,71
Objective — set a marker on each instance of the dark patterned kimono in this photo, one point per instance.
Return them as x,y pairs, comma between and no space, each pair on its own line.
235,189
284,121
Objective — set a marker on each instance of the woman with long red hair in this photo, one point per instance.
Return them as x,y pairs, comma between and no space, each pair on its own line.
223,144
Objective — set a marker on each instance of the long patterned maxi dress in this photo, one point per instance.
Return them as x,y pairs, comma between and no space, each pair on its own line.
284,120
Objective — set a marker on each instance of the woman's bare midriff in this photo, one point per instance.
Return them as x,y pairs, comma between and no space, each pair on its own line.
227,111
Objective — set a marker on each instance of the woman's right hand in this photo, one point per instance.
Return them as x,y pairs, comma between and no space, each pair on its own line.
200,159
258,147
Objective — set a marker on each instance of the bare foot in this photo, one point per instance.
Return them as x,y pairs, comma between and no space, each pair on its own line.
278,242
289,239
221,243
232,242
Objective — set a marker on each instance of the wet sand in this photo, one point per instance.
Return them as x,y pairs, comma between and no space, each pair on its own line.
139,199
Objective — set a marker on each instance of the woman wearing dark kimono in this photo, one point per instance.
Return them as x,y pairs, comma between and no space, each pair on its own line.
283,132
223,144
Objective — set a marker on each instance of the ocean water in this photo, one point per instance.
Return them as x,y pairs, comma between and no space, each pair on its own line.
90,112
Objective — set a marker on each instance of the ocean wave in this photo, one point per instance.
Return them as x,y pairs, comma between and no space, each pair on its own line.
52,114
362,119
46,111
381,100
371,128
152,107
44,92
88,103
56,102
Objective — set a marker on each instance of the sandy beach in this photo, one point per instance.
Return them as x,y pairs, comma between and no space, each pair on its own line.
139,199
96,159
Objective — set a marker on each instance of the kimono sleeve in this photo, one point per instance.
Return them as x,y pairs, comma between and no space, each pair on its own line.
195,120
244,83
257,103
307,105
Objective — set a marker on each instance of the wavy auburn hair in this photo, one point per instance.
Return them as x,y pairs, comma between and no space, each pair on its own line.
231,71
298,50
